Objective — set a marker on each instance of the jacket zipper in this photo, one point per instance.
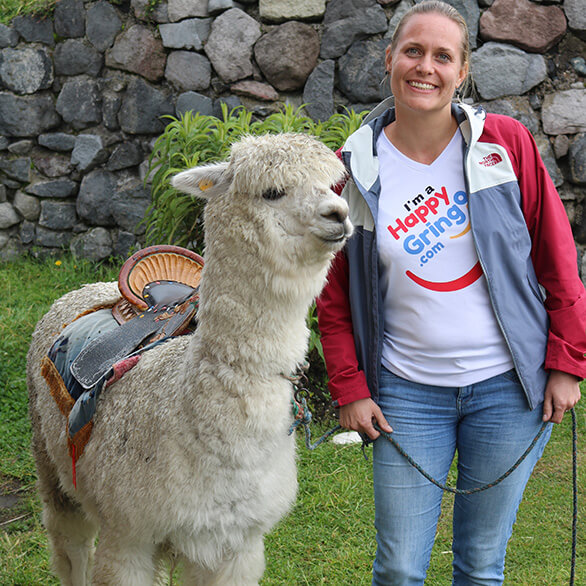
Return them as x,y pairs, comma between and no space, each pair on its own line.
489,287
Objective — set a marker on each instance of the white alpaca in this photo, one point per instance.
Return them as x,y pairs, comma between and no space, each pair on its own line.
189,453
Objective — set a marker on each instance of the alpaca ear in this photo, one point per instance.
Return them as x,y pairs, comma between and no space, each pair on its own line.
205,181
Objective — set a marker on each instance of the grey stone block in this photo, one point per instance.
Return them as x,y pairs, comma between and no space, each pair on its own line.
96,244
25,70
57,215
103,24
35,29
75,57
95,194
57,141
69,18
56,188
79,103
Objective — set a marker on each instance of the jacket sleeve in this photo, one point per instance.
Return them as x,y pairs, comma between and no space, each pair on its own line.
347,383
555,260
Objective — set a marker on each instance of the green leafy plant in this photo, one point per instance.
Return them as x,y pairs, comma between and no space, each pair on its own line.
9,9
151,7
318,397
194,139
287,120
340,126
314,335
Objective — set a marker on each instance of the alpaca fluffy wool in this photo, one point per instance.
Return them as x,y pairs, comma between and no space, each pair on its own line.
189,452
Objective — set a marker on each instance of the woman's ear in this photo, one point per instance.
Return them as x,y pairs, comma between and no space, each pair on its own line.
463,74
205,181
388,58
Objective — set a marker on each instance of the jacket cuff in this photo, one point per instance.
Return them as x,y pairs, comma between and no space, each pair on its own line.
562,356
347,388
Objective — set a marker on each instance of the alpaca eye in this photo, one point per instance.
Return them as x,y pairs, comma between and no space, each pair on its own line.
272,194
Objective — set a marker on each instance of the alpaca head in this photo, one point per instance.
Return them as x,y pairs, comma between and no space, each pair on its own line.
274,198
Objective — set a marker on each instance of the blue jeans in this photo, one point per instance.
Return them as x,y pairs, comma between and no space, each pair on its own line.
490,425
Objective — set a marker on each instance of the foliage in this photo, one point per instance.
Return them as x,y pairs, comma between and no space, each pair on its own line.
195,139
318,395
339,127
9,9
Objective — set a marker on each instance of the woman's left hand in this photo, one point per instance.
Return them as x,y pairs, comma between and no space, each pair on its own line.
561,394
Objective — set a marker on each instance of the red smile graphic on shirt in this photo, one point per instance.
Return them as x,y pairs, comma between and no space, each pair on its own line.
461,283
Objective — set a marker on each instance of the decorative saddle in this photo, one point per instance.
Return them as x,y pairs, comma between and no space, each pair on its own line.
159,297
159,288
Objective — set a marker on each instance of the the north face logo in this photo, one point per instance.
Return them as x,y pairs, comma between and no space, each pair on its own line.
491,160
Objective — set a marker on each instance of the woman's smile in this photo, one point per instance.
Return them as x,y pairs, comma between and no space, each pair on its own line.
420,85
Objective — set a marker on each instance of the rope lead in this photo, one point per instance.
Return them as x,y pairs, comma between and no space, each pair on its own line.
467,491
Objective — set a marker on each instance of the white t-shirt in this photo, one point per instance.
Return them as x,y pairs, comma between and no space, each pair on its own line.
440,327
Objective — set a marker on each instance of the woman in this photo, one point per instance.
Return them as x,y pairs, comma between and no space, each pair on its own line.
455,317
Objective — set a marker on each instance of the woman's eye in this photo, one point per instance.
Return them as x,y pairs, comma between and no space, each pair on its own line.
412,51
272,194
444,57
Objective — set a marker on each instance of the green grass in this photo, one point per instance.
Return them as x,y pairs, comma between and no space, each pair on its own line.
327,539
11,8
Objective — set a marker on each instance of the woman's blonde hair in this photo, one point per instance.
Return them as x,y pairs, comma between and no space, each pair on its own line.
437,7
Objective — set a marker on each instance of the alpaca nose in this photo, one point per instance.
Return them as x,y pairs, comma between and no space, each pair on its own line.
336,212
336,216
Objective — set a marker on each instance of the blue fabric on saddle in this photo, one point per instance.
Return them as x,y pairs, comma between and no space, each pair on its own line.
74,338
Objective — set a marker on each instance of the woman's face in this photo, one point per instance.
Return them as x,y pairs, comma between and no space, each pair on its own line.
426,65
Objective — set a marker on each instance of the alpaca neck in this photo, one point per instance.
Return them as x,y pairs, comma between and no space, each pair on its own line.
252,319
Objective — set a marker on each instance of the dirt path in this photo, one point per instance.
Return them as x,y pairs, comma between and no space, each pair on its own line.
13,497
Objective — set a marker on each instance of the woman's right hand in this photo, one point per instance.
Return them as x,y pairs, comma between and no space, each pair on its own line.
360,415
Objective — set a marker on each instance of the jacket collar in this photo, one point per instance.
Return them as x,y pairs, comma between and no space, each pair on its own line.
363,162
470,119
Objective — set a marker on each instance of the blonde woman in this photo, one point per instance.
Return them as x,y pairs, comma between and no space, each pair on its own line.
455,317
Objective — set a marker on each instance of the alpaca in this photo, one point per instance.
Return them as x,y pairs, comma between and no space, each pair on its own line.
189,456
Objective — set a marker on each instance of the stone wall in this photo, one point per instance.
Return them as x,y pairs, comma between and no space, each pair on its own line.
82,93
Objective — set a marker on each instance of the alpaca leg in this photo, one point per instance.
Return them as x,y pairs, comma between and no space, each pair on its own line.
244,569
71,534
120,562
72,544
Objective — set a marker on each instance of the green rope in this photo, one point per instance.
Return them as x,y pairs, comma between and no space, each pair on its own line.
303,417
543,427
447,488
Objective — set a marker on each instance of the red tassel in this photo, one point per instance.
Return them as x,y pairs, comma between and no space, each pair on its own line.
73,466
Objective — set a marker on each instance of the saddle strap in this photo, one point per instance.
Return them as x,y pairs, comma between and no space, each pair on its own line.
96,359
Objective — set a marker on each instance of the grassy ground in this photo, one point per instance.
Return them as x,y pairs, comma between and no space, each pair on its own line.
327,539
11,8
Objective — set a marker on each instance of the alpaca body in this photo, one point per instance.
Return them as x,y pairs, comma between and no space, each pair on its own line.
189,454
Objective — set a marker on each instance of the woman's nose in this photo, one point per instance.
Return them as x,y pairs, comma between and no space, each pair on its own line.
425,65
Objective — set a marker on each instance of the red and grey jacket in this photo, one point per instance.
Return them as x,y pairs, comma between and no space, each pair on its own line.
524,245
